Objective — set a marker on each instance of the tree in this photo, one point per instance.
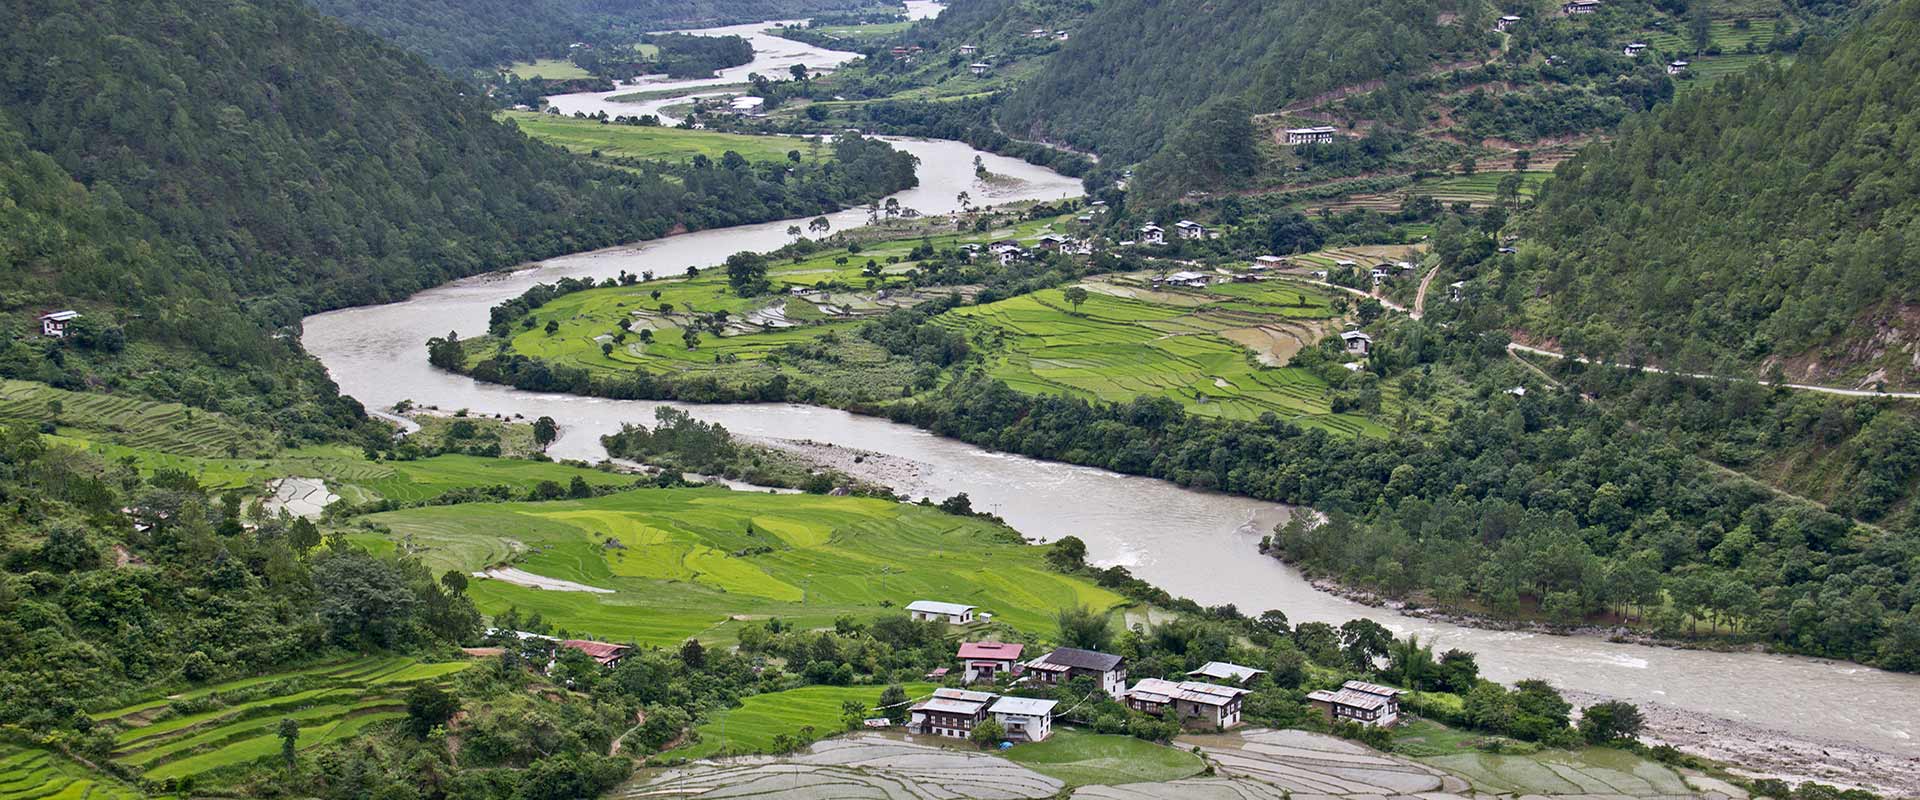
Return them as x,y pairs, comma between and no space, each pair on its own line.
893,703
852,714
798,71
820,225
987,733
428,707
1605,722
553,327
793,231
1067,554
691,338
1076,295
747,274
1084,628
545,430
693,654
289,733
1364,642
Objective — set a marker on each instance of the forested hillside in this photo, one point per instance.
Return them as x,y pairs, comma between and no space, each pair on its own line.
1137,68
455,35
1766,222
193,178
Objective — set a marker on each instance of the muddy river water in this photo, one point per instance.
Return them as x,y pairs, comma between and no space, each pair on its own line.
1192,543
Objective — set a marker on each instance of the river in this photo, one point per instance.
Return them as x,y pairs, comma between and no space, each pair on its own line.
1191,543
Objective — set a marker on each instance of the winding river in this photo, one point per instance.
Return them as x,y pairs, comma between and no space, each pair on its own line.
1195,544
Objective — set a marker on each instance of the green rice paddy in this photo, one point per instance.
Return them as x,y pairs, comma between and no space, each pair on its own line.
1117,348
331,702
558,69
129,421
1081,758
694,563
36,774
668,144
752,727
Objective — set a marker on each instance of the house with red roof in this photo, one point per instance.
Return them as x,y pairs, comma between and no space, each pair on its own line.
984,661
604,654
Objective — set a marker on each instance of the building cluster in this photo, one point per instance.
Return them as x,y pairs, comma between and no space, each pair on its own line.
1359,701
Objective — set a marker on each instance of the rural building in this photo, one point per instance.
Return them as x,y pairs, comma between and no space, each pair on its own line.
1227,673
1067,663
1052,241
1518,391
951,613
949,712
1190,230
604,654
1357,342
967,49
1359,701
1317,135
1153,234
1456,290
1633,49
984,661
1580,7
1191,280
747,106
979,68
1677,68
1379,275
1038,33
1190,701
1025,719
55,324
1268,262
1506,22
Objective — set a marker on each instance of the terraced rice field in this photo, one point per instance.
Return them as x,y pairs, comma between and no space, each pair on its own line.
36,774
696,562
752,727
130,421
331,702
1118,348
868,766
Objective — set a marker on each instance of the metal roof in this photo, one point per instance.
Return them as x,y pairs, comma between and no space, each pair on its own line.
991,650
937,607
1076,658
1024,706
1224,670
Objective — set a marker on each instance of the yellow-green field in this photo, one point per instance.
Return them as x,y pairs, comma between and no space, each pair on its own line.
36,774
557,69
752,727
671,144
687,563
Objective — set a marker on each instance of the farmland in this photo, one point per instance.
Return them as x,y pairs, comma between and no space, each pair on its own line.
1116,348
752,727
127,421
234,724
1080,758
649,142
35,774
696,562
556,69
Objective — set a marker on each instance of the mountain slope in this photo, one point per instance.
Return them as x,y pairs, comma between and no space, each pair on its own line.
1136,68
1764,222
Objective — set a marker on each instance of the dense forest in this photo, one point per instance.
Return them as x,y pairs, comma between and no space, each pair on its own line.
459,35
1136,69
1766,222
196,179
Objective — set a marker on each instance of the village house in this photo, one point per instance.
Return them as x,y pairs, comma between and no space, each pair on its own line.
747,106
1153,234
979,68
1067,663
1190,230
1379,276
1061,36
1191,280
1316,135
1517,391
55,324
984,661
1261,263
950,613
1455,291
1038,33
1191,702
1357,342
1580,7
1051,241
1506,22
1227,673
602,653
949,712
1359,701
1633,49
1677,68
1024,719
968,50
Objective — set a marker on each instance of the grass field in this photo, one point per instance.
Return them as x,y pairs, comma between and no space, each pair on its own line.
1081,758
331,702
694,562
751,727
1591,770
1480,188
1117,348
558,69
865,31
669,144
35,774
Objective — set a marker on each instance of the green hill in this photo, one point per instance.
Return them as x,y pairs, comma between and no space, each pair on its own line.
1763,222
